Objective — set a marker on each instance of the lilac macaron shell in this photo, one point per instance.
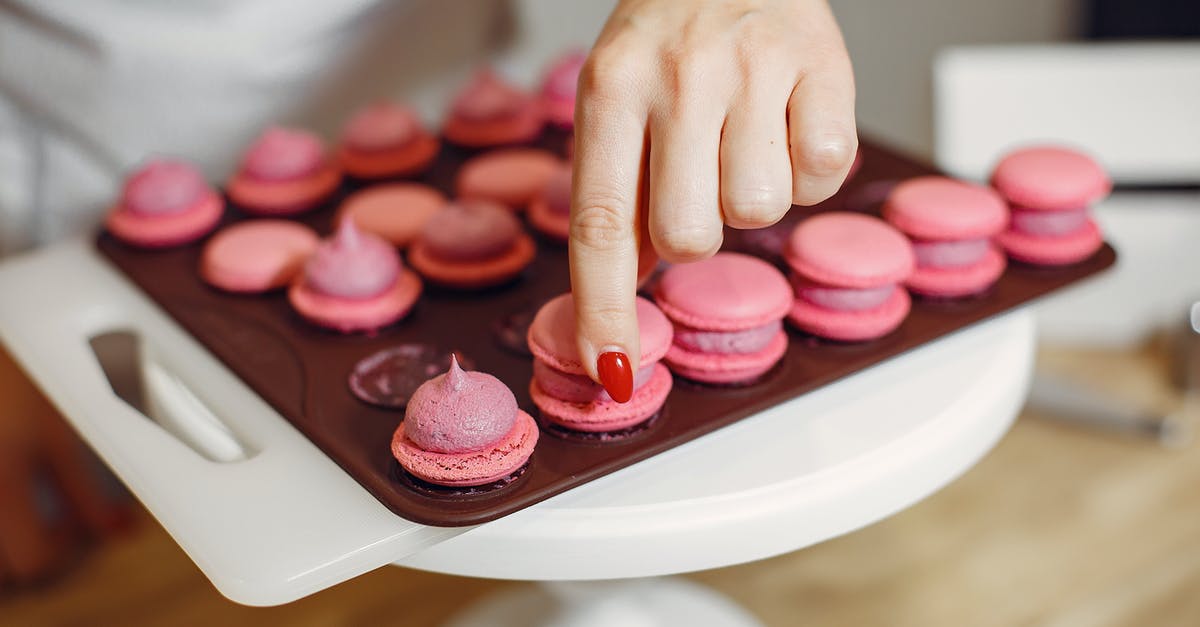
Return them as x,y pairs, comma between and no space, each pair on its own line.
852,326
552,334
1050,178
939,208
459,411
726,292
845,249
743,342
958,281
708,367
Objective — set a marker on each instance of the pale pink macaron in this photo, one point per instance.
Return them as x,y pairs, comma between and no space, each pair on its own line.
397,212
354,282
512,177
550,211
1051,190
285,171
727,312
464,429
559,87
386,139
561,389
491,112
164,203
951,224
848,270
257,255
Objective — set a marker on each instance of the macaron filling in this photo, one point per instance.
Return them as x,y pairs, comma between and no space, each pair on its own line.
281,154
459,412
471,231
950,254
1048,223
381,126
163,187
743,342
577,388
842,298
353,265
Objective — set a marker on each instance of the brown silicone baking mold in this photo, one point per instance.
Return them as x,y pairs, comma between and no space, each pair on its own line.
302,370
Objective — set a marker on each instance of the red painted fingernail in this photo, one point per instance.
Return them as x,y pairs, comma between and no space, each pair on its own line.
616,375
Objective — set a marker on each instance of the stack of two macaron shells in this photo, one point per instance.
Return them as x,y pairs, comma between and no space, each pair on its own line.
727,313
1051,190
561,388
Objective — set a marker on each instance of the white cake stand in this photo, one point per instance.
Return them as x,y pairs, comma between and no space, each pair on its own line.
279,520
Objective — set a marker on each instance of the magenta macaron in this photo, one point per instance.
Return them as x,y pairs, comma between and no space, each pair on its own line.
848,270
165,203
1051,190
464,429
561,388
728,313
951,224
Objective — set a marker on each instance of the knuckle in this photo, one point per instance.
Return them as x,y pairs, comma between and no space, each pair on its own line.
827,156
756,206
598,224
682,243
613,69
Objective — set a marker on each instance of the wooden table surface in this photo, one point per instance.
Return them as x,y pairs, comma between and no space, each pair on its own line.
1059,526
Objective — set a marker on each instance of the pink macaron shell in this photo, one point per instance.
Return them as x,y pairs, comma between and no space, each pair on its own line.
397,212
512,177
487,465
954,282
845,249
352,264
1058,250
726,292
284,198
257,255
727,368
852,326
745,341
841,298
166,230
1050,178
350,315
938,208
1049,223
547,221
606,417
283,154
950,253
552,334
163,187
577,388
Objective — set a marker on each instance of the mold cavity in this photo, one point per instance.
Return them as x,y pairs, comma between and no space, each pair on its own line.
163,398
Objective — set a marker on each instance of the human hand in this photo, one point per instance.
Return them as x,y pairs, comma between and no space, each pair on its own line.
692,114
40,458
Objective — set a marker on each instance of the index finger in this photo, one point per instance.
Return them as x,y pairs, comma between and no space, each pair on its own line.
610,132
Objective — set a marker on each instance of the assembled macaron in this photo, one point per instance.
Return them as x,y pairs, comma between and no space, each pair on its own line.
512,177
491,112
164,203
255,256
561,388
472,244
354,282
559,88
550,210
848,270
385,139
1051,190
951,224
285,172
394,211
464,429
728,313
